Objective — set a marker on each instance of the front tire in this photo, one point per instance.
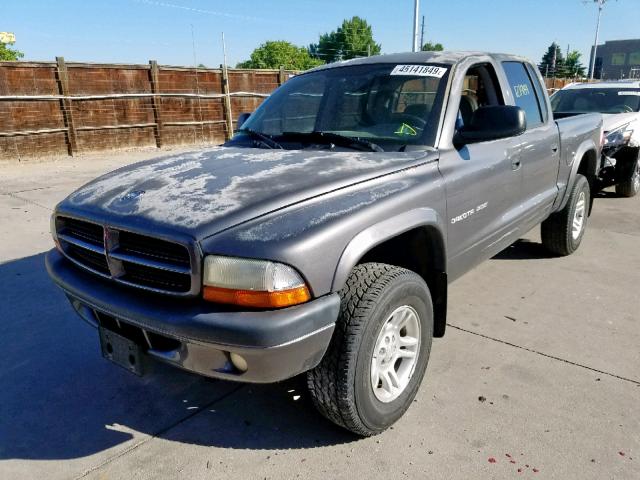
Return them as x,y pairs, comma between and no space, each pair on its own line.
562,232
379,352
631,186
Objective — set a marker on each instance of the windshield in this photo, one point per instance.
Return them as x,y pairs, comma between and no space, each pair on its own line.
596,100
381,107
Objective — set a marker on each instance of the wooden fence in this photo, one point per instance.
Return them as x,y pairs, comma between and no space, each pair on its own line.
58,108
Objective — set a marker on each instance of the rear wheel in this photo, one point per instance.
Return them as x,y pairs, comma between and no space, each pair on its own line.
379,351
562,232
630,187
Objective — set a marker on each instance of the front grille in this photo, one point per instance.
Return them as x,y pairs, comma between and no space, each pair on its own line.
126,257
153,248
85,231
93,260
156,278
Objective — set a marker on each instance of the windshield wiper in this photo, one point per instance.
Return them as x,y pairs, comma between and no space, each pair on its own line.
342,140
262,137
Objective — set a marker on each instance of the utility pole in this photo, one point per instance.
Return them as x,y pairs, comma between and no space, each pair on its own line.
416,11
595,45
422,34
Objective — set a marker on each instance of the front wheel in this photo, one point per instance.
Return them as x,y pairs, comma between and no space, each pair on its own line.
379,351
630,187
562,232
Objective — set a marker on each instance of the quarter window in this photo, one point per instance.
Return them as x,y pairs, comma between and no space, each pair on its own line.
524,92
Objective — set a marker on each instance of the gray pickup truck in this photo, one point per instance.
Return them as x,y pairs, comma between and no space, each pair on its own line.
321,239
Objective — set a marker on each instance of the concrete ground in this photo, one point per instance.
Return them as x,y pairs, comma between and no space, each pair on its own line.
537,377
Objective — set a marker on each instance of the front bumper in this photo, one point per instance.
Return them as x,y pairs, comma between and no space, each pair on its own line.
200,336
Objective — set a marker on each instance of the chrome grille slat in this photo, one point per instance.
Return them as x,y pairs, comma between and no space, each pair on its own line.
130,258
80,243
149,263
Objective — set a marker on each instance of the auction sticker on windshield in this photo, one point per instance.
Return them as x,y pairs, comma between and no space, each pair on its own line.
419,70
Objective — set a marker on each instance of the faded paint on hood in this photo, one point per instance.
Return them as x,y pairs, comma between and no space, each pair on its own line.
207,191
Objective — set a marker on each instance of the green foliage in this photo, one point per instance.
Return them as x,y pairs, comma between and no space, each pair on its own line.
573,66
552,64
354,38
273,54
9,54
432,47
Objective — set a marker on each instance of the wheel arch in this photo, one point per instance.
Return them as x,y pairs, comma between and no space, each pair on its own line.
415,241
585,163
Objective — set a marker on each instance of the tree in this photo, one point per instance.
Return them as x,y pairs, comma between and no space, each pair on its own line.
552,64
9,54
573,66
432,47
273,54
354,38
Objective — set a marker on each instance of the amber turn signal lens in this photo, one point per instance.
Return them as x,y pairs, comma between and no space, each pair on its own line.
257,299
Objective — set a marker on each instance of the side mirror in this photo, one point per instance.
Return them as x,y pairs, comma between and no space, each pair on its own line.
493,123
241,119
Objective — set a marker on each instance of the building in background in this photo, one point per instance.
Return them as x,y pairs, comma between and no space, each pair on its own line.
617,59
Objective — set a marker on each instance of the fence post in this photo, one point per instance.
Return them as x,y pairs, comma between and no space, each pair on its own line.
155,100
227,101
65,105
281,78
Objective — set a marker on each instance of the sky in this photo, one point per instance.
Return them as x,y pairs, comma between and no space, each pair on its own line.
135,31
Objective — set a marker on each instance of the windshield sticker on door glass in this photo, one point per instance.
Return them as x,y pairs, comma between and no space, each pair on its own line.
521,90
630,93
419,70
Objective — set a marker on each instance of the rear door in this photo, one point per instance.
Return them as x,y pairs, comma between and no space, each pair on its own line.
538,149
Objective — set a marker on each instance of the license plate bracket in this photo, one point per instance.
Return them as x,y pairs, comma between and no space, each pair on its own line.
121,351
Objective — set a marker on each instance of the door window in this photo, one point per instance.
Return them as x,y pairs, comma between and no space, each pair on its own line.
524,92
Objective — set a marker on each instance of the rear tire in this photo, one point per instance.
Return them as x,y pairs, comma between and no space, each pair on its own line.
562,232
385,324
631,186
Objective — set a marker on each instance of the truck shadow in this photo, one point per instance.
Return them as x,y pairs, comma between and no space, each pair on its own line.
524,250
61,400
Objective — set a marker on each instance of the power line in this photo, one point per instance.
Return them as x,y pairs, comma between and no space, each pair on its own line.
196,10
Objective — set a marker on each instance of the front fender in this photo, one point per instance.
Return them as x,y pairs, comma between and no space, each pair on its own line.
382,231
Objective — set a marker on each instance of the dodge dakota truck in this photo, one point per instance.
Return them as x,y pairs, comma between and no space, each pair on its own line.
322,238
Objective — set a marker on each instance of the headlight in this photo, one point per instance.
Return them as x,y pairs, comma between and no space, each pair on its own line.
618,137
252,283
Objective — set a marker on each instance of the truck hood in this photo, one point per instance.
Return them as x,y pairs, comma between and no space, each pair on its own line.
613,121
204,192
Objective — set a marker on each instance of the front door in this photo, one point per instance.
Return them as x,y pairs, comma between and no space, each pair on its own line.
483,183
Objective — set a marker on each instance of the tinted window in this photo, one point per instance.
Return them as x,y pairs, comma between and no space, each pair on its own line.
597,100
541,94
523,92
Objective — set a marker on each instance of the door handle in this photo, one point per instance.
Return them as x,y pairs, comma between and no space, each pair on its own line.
515,163
554,148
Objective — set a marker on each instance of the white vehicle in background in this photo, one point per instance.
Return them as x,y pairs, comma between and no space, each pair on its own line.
619,102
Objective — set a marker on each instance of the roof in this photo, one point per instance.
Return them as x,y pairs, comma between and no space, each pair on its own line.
445,57
612,84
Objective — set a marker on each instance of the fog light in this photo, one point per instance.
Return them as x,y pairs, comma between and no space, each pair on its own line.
239,362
